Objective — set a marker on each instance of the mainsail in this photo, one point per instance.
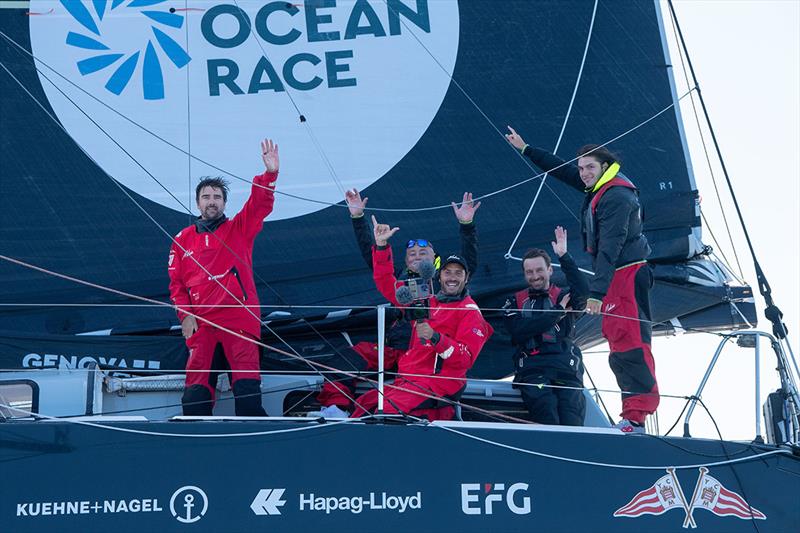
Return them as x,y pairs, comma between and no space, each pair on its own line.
112,110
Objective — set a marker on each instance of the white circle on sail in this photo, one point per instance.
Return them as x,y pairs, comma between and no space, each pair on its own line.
214,78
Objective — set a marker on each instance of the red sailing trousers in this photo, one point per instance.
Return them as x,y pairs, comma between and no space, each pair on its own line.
242,356
412,397
340,389
628,330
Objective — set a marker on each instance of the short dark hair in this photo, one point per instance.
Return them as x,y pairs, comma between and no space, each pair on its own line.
601,153
216,182
534,253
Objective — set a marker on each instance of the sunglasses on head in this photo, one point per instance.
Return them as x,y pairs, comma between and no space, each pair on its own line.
422,243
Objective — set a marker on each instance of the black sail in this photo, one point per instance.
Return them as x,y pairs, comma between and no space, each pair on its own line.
517,63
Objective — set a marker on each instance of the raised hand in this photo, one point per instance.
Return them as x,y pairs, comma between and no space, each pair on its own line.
269,154
565,301
514,138
382,232
560,244
354,203
466,211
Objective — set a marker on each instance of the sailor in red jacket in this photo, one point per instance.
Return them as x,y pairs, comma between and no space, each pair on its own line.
211,276
443,347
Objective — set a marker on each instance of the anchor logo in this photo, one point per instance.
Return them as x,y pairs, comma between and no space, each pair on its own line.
185,504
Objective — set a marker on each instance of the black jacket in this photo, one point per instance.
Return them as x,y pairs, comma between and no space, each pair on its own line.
543,341
618,236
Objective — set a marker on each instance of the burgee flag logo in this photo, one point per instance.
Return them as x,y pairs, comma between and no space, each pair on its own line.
709,494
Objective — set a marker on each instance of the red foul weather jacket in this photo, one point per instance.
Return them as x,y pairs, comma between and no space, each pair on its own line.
226,256
462,333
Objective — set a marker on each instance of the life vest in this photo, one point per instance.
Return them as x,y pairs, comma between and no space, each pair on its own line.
525,305
589,228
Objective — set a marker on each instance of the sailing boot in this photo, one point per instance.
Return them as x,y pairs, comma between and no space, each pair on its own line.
247,397
197,401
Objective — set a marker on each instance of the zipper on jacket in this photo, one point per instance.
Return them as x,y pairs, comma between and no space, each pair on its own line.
241,285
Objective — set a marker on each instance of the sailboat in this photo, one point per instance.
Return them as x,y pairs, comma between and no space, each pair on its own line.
112,109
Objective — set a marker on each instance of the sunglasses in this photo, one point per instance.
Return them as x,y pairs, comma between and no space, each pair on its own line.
422,243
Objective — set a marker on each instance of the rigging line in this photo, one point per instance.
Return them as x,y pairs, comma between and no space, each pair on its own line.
241,304
703,143
312,424
188,210
598,396
188,109
302,117
773,314
143,210
297,356
607,465
136,161
475,105
733,470
321,202
714,238
563,129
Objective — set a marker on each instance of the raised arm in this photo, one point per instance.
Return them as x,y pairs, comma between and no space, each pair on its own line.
250,219
465,213
546,161
576,280
360,225
382,261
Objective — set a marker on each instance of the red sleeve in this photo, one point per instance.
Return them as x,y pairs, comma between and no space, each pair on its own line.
473,332
250,219
383,273
178,292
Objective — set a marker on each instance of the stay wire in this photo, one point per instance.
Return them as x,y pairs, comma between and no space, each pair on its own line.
303,119
478,108
561,133
704,144
730,464
772,312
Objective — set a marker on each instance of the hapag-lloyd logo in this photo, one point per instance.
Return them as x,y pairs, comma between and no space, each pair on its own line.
123,64
212,78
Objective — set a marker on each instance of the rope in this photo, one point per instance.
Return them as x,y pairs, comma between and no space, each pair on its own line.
561,134
608,465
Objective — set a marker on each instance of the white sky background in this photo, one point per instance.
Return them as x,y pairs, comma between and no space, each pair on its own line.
746,55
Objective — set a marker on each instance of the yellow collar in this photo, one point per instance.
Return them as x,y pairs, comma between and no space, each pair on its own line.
607,176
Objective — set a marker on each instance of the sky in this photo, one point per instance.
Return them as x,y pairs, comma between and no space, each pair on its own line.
746,55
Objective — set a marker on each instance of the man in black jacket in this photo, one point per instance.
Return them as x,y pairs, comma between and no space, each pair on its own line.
612,225
549,368
337,394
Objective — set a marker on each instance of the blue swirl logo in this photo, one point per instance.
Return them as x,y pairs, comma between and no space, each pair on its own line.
124,64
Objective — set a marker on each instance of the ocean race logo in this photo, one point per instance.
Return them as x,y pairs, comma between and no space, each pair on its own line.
346,88
122,65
